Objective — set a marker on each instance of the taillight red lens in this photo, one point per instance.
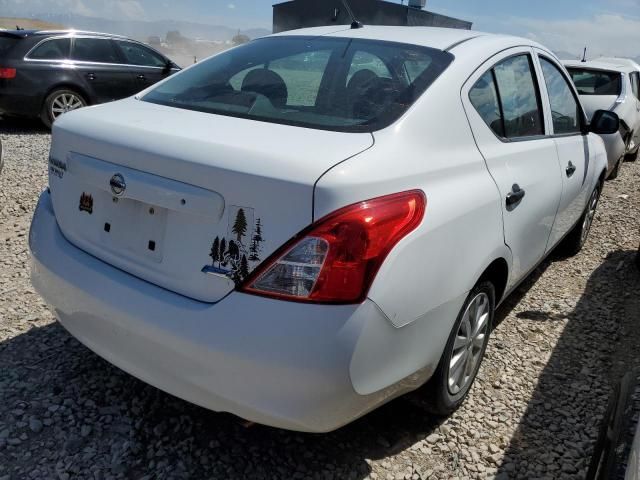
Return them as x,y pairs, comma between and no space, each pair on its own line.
7,72
336,259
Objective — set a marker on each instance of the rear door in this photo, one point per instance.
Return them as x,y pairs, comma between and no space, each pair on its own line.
145,65
502,101
565,119
99,68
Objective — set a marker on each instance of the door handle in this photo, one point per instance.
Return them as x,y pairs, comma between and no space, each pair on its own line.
141,77
571,169
515,195
91,76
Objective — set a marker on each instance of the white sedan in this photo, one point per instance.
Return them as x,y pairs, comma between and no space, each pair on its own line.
302,228
614,86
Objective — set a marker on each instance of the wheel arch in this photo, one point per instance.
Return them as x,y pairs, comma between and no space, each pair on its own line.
498,274
69,86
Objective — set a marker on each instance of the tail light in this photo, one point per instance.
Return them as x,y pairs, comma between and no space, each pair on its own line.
7,72
336,259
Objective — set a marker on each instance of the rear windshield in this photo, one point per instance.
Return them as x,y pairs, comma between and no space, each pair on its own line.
6,44
326,83
596,82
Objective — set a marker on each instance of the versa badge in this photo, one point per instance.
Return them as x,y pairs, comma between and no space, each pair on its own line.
86,203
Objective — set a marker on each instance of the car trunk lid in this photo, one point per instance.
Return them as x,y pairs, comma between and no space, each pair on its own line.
189,201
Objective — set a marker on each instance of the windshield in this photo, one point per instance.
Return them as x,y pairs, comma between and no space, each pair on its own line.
318,82
596,82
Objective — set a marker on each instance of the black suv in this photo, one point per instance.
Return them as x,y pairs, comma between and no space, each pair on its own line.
47,73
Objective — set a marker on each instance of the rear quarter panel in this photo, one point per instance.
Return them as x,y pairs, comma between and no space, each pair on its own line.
431,148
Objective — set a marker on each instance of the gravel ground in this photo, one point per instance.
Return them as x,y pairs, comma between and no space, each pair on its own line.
562,339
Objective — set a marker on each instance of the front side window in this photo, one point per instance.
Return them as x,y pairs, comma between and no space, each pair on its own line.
565,111
136,54
56,49
98,50
596,82
328,83
519,97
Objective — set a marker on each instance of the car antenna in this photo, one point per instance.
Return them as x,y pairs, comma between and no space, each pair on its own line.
355,24
584,55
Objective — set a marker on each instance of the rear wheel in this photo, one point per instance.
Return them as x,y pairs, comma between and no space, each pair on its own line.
464,352
576,239
59,102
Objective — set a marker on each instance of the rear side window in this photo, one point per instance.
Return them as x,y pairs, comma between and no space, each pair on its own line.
136,54
484,97
55,49
519,96
99,50
507,98
6,44
329,83
596,82
565,111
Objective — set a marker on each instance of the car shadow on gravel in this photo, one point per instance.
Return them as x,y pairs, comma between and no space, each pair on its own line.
21,126
70,410
599,343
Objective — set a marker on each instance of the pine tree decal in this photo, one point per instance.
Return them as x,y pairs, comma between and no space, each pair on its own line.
256,240
223,248
240,225
215,251
234,251
244,267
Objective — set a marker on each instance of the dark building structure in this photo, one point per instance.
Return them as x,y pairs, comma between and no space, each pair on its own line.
314,13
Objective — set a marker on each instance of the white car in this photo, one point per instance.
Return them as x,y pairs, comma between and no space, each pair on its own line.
302,228
608,85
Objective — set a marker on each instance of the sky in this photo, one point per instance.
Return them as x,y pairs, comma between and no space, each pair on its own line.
606,27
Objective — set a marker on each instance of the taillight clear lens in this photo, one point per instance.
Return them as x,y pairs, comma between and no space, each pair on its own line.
7,72
336,259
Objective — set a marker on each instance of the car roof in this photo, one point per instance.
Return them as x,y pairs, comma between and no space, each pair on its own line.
434,37
47,33
609,65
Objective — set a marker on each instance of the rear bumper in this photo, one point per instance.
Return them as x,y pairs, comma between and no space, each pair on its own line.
19,105
283,364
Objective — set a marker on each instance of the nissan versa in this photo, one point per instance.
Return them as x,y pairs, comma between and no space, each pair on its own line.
302,228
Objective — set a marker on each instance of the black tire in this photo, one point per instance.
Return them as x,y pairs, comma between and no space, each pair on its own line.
440,398
48,115
632,156
616,170
575,240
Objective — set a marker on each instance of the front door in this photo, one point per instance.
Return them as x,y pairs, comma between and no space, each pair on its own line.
100,70
505,112
147,66
574,153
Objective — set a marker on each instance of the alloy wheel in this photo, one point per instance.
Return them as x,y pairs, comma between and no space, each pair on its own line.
65,102
468,346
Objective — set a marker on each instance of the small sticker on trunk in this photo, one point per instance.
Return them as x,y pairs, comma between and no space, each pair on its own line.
86,203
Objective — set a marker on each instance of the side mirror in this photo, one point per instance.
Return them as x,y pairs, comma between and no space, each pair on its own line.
168,66
604,122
